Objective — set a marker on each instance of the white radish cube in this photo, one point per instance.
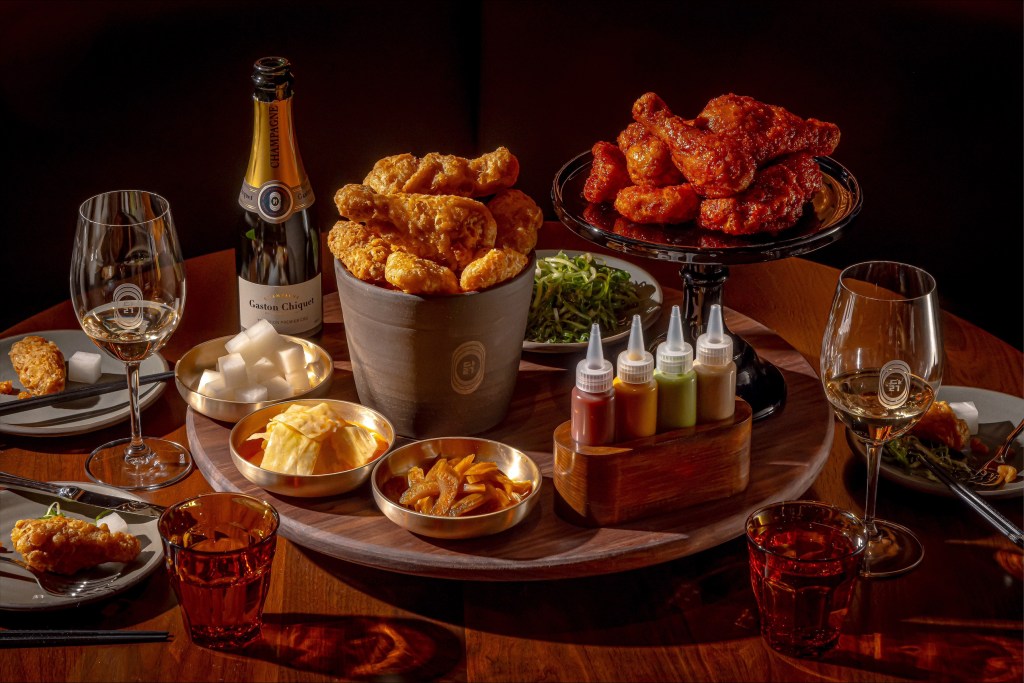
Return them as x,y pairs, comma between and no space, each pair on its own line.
298,380
84,367
264,339
259,328
232,369
216,389
968,412
242,345
251,394
278,387
207,377
290,359
261,371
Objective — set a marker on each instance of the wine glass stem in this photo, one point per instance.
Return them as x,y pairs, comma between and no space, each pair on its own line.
874,461
136,452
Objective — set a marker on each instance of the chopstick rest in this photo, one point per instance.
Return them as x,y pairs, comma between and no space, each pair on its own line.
48,637
18,406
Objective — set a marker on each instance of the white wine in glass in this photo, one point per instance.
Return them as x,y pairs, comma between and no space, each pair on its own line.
128,291
881,364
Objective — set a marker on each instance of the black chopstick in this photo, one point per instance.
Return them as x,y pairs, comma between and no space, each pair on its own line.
47,637
84,392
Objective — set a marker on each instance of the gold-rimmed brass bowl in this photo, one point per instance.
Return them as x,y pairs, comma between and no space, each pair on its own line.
311,485
514,463
188,370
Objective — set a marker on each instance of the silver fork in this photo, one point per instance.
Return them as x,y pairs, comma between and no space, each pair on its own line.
988,474
65,586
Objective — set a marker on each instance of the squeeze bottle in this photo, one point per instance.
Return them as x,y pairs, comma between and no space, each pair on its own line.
593,399
636,392
716,372
677,382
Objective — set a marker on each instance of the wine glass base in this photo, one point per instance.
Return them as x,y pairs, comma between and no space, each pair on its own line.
168,462
893,552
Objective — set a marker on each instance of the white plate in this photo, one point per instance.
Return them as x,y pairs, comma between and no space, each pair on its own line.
18,588
992,407
649,313
85,414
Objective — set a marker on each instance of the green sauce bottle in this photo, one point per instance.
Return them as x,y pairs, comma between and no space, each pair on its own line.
677,382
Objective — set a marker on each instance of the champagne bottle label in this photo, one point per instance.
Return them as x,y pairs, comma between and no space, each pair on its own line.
291,309
275,201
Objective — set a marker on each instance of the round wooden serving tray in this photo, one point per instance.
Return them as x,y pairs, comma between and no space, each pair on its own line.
788,451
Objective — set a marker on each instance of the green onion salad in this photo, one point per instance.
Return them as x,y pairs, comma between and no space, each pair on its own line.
572,292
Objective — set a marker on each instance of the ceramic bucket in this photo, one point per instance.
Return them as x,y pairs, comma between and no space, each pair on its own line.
439,365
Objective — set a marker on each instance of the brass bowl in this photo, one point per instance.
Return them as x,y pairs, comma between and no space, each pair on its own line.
311,485
516,464
188,370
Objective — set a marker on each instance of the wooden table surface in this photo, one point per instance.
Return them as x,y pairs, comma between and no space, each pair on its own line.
959,616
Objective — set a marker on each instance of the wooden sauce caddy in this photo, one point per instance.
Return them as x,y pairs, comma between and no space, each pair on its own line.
606,485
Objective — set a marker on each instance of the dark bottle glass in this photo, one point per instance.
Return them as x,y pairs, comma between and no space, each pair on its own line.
278,255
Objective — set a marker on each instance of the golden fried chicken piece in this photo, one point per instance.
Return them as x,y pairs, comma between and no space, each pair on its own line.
670,204
518,218
64,545
364,249
492,266
415,275
648,159
941,425
722,164
445,174
608,174
39,364
7,388
774,202
456,227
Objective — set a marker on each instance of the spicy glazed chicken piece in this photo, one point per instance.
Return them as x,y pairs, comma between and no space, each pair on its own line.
648,160
774,202
492,267
456,227
722,164
445,174
670,204
415,275
518,219
40,366
608,174
63,545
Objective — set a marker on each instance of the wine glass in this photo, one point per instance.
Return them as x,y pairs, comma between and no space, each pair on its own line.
881,364
128,291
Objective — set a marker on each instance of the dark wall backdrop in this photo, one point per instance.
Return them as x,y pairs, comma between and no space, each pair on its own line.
109,95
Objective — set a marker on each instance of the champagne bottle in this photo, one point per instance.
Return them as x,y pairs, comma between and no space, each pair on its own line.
278,257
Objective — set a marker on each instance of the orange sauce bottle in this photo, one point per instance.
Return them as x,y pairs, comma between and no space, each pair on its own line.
636,392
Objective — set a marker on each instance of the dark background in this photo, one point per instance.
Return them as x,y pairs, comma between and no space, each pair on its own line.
114,95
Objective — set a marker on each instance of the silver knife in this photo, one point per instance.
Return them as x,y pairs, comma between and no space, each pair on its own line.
81,495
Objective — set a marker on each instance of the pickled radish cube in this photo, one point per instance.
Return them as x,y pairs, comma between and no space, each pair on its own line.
264,339
217,389
261,371
968,412
207,377
84,367
278,387
298,380
233,371
251,394
290,359
242,345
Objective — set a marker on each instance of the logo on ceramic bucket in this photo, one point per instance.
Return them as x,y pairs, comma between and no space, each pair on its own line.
894,384
468,367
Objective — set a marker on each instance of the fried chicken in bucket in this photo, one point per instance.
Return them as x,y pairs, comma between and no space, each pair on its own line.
421,225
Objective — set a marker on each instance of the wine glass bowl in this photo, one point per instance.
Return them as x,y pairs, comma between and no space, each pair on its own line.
881,365
128,292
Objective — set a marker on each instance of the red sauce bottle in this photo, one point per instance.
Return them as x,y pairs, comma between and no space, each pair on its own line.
593,399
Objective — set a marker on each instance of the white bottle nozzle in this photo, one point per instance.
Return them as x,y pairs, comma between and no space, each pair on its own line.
675,356
714,347
594,374
636,365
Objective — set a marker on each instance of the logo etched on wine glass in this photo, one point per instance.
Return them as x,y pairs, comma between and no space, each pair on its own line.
128,305
468,367
894,384
274,201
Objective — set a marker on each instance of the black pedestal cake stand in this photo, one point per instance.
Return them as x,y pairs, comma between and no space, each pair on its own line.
706,255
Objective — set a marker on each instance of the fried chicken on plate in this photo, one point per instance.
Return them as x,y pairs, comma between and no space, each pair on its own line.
39,364
648,160
63,545
669,204
608,174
